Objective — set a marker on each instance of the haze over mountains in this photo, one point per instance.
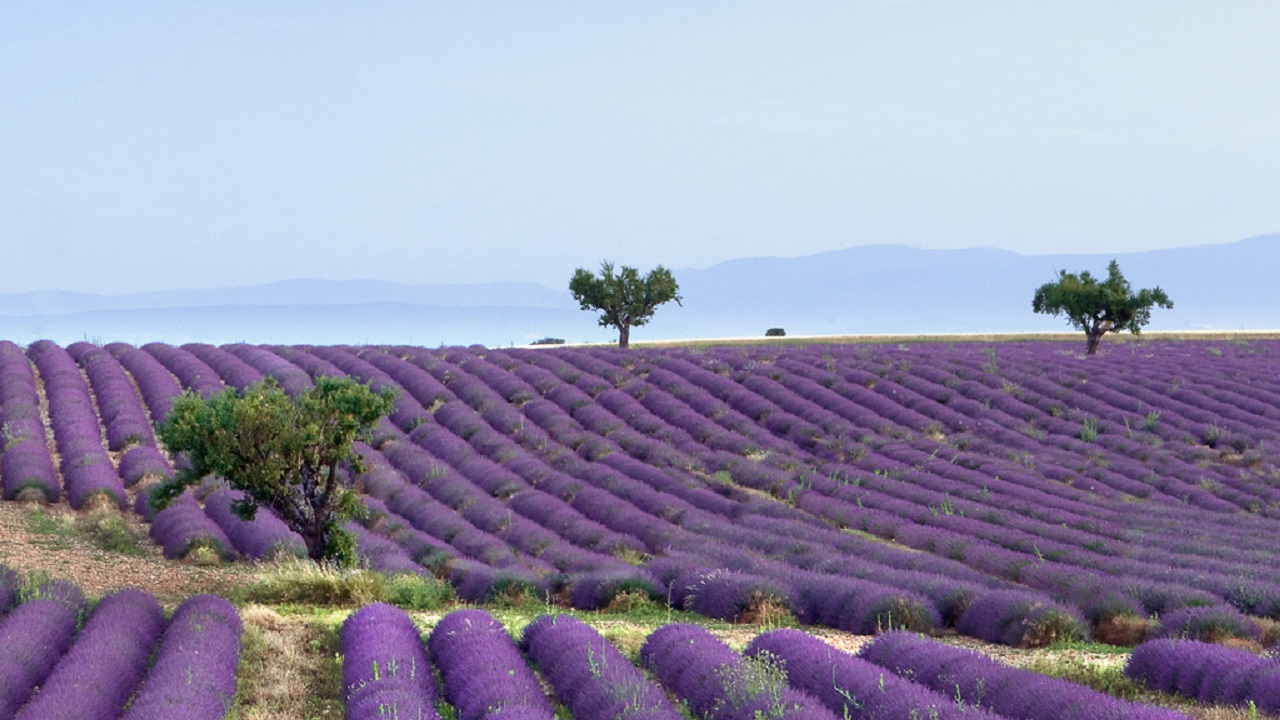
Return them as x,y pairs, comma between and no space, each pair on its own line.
878,289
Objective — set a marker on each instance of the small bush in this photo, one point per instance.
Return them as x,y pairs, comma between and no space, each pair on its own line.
415,592
775,332
1207,624
109,531
548,341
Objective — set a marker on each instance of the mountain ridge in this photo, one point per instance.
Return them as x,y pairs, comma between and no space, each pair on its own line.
870,289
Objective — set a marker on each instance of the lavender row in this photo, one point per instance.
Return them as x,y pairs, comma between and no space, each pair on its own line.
720,684
193,675
589,675
87,470
728,595
233,371
264,536
384,666
193,373
10,586
980,681
157,385
100,672
483,672
292,379
1207,672
852,687
723,594
26,466
183,528
119,406
34,637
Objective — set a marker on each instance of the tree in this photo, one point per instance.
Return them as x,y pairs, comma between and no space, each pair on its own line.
283,453
1098,307
624,299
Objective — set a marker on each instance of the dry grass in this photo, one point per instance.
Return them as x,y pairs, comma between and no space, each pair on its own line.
289,667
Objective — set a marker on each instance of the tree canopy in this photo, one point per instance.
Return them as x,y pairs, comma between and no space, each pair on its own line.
1098,307
624,299
284,453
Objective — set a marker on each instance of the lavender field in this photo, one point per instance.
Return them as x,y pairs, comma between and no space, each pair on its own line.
1016,493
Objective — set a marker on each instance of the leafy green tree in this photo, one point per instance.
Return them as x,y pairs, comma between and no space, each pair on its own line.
284,453
1098,307
624,299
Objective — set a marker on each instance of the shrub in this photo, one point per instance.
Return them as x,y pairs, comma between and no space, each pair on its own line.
775,332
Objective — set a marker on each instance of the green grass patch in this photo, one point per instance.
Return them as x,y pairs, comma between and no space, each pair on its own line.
105,529
109,531
301,582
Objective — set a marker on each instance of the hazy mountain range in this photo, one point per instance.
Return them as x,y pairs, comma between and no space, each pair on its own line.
878,289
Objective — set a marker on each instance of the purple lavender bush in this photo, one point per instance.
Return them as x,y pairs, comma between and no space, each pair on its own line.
1021,619
262,537
96,677
589,675
720,684
143,461
1207,672
194,673
384,666
484,674
26,466
183,528
1208,624
33,637
851,687
980,681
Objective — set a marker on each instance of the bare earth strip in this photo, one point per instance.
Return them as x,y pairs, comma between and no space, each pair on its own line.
98,572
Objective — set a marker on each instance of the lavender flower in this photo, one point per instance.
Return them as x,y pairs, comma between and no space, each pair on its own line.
194,673
183,526
484,674
385,673
104,666
852,687
720,684
34,637
978,680
259,538
589,675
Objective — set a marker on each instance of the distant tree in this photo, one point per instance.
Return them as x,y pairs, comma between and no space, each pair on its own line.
775,332
284,453
1098,307
624,299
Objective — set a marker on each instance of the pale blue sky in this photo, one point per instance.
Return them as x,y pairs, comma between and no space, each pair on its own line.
149,145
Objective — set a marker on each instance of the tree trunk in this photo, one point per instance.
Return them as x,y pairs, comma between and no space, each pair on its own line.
1094,338
624,336
315,542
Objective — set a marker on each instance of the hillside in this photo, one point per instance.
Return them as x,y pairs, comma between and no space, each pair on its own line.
1015,493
